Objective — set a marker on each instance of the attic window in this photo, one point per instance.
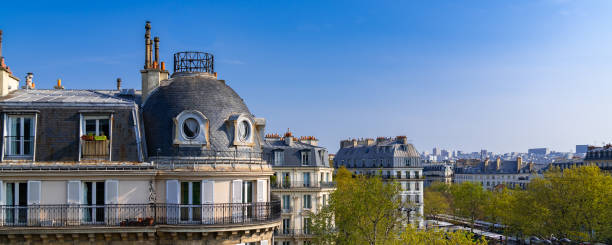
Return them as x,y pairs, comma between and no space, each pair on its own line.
190,129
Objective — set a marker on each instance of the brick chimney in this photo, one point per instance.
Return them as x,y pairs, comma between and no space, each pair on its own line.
519,164
8,82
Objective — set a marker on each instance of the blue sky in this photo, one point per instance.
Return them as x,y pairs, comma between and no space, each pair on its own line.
467,75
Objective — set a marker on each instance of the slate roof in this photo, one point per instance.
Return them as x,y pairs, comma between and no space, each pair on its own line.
599,153
392,148
205,94
506,167
68,97
293,153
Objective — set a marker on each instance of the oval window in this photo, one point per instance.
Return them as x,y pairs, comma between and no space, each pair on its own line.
191,128
244,130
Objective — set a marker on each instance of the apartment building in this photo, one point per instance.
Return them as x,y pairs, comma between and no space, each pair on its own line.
302,179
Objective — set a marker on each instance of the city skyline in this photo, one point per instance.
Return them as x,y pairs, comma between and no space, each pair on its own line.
498,76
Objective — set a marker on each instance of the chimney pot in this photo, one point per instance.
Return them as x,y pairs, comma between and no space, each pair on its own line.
156,40
119,84
163,66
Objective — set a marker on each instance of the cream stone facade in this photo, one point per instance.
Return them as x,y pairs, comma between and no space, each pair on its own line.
171,164
302,180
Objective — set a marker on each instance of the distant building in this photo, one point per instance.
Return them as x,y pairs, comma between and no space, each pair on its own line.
303,180
395,158
491,174
483,154
568,163
538,151
600,156
435,151
438,172
582,149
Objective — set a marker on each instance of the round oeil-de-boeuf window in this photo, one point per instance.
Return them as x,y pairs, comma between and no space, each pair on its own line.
191,128
244,131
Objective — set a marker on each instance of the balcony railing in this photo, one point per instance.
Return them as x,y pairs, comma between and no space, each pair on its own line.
292,232
302,184
403,177
18,146
139,214
95,149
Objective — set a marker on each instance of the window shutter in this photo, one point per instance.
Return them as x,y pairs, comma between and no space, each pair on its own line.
74,192
2,201
237,191
172,192
208,187
112,192
33,192
261,190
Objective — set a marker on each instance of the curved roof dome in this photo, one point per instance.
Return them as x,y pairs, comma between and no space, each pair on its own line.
199,92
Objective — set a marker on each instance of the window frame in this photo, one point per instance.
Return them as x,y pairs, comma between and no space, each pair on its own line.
6,118
82,130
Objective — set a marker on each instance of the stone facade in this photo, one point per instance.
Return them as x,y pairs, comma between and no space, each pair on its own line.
302,180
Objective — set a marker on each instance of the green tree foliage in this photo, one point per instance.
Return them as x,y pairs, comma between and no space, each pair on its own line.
366,210
436,202
469,200
438,237
575,203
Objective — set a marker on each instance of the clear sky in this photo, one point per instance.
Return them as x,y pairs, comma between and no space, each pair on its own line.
467,75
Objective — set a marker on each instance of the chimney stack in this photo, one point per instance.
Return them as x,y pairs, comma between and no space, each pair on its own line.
154,72
118,84
147,45
0,44
156,39
59,84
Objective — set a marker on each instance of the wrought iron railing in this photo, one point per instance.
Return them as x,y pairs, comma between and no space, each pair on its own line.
194,62
302,184
139,214
292,232
18,146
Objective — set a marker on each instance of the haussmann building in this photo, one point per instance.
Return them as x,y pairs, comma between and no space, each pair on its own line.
178,162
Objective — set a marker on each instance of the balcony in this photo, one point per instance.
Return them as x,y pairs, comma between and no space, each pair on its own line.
139,214
293,233
18,147
302,184
95,149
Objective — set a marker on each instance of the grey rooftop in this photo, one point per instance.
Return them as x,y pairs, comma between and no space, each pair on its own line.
68,97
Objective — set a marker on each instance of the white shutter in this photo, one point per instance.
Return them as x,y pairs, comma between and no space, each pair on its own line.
264,242
237,191
111,187
2,193
74,192
172,201
172,192
261,190
34,192
208,187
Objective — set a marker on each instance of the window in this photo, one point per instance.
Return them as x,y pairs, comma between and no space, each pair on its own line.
305,155
307,201
307,224
286,180
191,201
278,158
95,141
306,179
190,128
326,177
408,186
324,200
16,201
19,136
93,201
286,226
417,186
286,203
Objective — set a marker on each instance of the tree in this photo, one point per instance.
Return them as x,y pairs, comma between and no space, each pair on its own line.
438,237
435,203
365,211
469,200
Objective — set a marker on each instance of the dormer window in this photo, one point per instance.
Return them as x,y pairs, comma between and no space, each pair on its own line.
305,158
243,130
278,157
190,129
95,137
19,136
